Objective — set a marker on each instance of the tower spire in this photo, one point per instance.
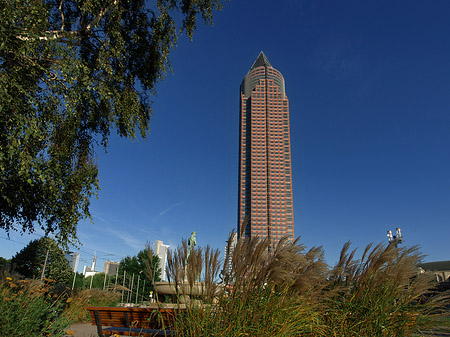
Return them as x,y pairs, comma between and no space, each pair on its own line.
260,61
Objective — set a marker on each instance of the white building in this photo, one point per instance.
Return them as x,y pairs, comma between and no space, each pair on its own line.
73,258
111,267
161,251
90,271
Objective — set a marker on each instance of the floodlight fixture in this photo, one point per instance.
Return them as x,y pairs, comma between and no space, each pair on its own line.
395,239
389,235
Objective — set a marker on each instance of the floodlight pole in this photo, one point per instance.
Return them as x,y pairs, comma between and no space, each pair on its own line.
74,277
123,283
45,265
137,288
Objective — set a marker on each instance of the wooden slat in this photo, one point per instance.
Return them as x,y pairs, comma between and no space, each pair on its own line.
139,318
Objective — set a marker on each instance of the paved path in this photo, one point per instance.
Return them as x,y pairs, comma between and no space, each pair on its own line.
82,330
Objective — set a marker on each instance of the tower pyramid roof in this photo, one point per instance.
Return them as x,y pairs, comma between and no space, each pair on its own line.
261,60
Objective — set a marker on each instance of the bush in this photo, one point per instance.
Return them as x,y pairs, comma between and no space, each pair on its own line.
31,308
80,300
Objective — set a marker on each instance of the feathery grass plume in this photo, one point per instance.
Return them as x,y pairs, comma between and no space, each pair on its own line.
380,295
286,264
261,295
284,290
150,269
195,275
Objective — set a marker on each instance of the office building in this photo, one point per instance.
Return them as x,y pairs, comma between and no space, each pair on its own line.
111,267
161,251
265,175
72,259
90,271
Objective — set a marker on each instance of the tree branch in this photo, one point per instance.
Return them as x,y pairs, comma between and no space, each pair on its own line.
62,15
100,15
52,35
58,34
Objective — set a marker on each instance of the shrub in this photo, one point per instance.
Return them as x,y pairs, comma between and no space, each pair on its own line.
31,308
80,300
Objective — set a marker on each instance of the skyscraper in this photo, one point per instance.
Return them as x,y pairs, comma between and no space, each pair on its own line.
161,251
265,175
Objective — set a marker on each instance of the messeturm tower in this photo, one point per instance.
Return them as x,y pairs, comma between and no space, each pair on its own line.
265,175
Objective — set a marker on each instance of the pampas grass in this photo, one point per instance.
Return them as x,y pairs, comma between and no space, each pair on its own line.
383,294
286,290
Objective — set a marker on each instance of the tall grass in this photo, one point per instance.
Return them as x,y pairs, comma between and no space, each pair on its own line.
31,308
266,294
382,294
79,300
43,308
290,291
282,290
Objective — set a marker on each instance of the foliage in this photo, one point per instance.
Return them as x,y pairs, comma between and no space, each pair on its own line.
288,291
145,266
266,312
70,72
31,308
97,281
186,268
79,280
259,299
383,294
81,299
29,262
4,263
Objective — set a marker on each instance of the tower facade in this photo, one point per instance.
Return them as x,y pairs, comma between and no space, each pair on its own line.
265,175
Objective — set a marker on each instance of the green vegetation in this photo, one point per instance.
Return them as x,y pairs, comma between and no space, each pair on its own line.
291,292
144,266
31,308
81,299
284,291
70,73
29,262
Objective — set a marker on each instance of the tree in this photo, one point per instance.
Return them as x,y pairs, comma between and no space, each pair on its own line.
70,72
97,281
79,280
30,261
145,266
4,265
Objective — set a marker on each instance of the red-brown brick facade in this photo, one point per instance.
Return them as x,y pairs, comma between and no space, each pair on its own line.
265,175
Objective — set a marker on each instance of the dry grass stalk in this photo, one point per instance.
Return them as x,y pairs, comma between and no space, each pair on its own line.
254,265
199,270
284,290
381,294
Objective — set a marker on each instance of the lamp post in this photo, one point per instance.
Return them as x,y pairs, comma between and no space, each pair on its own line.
395,239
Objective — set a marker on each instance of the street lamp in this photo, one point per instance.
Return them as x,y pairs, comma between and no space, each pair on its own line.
395,239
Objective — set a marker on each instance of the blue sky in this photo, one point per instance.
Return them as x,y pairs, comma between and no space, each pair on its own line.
368,84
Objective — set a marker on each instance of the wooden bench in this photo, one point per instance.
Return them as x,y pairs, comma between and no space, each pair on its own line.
157,320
